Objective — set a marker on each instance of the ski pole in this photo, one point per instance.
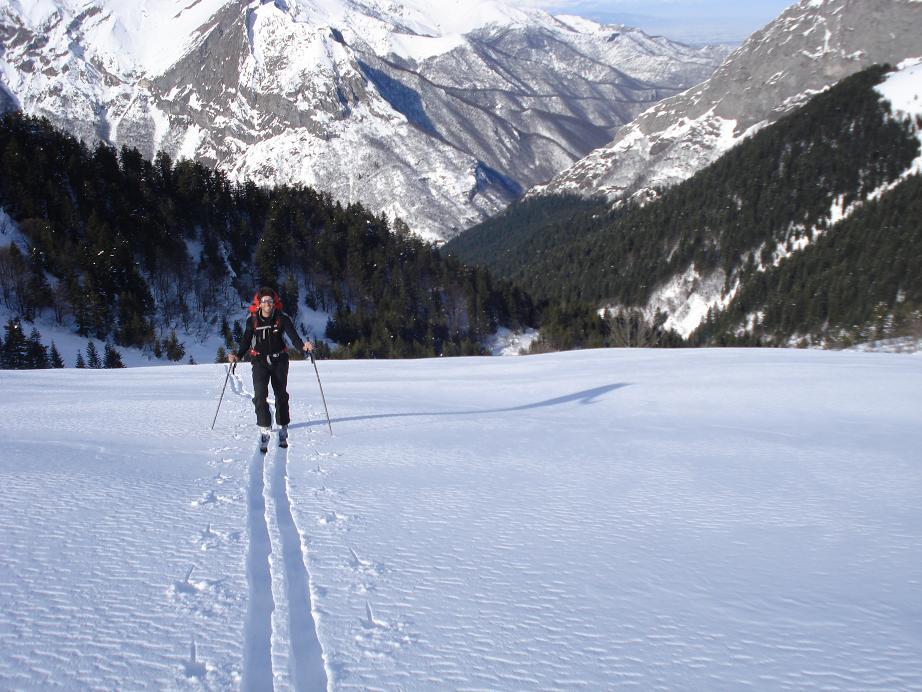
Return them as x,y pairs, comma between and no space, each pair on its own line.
231,370
326,410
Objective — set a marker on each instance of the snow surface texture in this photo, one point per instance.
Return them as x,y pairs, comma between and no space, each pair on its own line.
694,519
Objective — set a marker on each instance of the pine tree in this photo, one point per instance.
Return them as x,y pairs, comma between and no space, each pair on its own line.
226,333
36,352
112,358
173,348
13,356
221,355
56,360
290,296
92,356
38,289
79,362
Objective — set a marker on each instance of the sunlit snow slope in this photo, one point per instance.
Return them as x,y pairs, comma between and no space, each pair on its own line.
686,519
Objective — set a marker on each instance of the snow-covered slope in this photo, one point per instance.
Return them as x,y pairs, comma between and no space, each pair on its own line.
673,519
902,89
687,298
810,46
439,114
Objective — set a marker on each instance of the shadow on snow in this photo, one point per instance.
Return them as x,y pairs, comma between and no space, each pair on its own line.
585,397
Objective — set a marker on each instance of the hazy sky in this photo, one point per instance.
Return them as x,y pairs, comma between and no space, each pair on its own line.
684,20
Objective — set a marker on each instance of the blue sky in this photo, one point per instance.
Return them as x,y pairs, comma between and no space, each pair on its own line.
683,20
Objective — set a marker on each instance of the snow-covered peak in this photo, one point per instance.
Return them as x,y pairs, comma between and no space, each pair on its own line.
36,13
448,17
581,24
438,114
148,36
412,29
126,36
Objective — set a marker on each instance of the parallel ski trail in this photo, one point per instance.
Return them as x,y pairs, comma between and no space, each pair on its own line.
257,650
307,669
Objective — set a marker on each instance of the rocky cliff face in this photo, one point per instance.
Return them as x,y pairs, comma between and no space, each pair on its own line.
372,102
812,45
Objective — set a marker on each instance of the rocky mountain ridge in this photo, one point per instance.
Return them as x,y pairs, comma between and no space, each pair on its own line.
810,46
439,120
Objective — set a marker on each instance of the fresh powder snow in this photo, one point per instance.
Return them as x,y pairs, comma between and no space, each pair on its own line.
669,519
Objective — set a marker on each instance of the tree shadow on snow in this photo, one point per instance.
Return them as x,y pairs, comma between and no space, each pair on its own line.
585,397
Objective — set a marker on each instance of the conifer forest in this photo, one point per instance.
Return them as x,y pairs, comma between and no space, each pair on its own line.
130,251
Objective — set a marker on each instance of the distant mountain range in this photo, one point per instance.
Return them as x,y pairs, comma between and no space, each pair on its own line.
810,46
435,113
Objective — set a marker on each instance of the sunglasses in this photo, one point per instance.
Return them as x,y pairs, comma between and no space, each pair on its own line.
268,301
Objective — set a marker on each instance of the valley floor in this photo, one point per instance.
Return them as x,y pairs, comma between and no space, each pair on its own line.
686,519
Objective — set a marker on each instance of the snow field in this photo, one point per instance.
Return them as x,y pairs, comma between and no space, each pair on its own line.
120,536
694,519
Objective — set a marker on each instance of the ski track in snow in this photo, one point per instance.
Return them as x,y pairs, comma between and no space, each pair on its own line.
93,602
693,519
282,649
306,666
258,632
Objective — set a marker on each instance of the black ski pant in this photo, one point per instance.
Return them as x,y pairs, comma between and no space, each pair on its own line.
277,374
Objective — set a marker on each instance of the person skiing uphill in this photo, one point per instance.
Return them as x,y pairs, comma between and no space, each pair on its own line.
264,342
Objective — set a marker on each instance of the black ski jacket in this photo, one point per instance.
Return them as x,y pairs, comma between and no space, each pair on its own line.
264,337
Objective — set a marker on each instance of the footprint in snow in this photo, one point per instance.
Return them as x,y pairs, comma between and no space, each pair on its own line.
324,491
221,479
370,621
212,498
212,538
209,498
364,566
381,639
202,596
194,668
333,519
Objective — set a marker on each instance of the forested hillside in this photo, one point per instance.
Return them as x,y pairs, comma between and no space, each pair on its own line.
811,227
862,282
776,192
128,250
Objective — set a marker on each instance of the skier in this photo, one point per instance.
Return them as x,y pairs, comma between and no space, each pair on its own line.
264,341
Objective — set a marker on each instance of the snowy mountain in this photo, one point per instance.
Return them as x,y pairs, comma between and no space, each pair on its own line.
810,46
694,519
805,232
437,114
